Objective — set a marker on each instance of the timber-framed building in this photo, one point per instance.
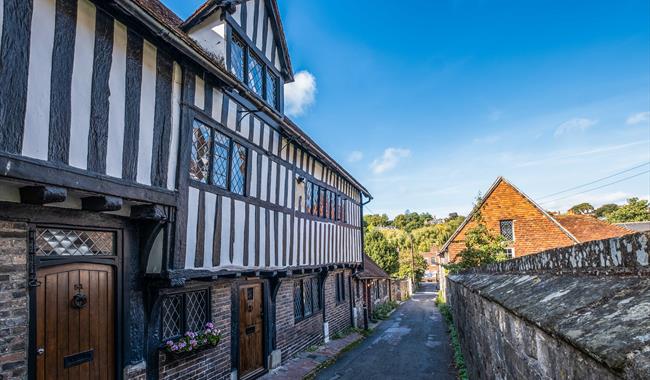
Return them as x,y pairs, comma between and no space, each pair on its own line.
151,184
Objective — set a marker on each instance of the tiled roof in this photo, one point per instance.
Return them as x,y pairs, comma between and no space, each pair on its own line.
371,269
587,228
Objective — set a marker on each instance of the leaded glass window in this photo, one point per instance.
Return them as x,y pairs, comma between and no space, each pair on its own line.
183,312
220,154
315,290
172,321
237,51
308,197
69,242
255,75
272,89
200,160
507,230
297,300
327,204
238,169
321,203
307,297
314,199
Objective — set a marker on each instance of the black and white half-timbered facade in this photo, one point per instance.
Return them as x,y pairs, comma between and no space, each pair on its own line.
160,216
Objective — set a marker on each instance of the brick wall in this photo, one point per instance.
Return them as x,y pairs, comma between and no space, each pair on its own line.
534,232
337,315
13,300
291,336
212,363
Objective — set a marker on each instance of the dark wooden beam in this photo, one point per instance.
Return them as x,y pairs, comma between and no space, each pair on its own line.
101,203
149,212
40,195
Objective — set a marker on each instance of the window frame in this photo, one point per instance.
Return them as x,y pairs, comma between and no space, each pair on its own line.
325,203
231,145
183,311
266,71
510,255
512,228
316,303
340,288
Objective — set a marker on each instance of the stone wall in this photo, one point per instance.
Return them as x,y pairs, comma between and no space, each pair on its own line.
399,289
13,300
578,312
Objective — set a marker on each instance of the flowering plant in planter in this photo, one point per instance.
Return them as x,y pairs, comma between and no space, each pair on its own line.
193,341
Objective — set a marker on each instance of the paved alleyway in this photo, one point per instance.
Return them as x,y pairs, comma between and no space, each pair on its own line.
412,344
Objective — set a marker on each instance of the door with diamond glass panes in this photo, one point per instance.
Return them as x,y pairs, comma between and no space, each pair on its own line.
75,303
251,349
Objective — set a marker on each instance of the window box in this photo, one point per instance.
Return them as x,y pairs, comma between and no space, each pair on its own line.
192,342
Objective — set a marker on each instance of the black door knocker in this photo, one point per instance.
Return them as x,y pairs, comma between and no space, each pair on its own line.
79,300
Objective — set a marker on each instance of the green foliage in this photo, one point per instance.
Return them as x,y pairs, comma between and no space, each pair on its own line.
412,220
582,209
604,210
481,247
635,210
410,267
376,220
382,311
382,251
459,360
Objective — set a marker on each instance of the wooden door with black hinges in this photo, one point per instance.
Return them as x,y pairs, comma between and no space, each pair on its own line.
75,322
251,330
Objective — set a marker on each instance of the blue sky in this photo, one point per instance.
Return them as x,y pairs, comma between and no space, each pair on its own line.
427,102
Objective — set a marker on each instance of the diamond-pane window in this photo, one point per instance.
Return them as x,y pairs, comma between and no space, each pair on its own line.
307,297
308,196
271,89
314,199
196,310
237,50
172,316
255,75
184,312
200,160
238,169
220,154
507,230
315,290
67,242
297,300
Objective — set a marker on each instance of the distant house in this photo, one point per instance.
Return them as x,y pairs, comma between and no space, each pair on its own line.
526,226
372,286
636,226
432,259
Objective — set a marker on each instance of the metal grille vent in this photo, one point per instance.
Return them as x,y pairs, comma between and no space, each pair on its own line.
66,242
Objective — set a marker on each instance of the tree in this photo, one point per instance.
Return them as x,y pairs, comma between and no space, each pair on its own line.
412,220
604,210
411,269
634,211
381,251
482,246
582,209
376,220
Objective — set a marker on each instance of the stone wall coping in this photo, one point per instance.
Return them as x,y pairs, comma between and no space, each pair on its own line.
626,254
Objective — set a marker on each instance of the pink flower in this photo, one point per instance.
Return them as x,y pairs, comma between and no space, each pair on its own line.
209,325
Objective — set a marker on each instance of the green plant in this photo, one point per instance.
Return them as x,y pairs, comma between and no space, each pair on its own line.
192,341
382,311
459,360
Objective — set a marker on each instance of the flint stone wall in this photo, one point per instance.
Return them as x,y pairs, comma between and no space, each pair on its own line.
577,312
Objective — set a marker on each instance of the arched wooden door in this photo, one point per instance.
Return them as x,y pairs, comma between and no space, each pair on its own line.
75,322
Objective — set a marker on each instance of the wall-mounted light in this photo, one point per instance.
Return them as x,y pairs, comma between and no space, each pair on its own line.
300,179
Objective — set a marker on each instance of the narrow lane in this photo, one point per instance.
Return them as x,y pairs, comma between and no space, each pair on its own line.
412,344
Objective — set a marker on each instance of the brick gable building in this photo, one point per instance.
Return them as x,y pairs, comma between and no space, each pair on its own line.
527,227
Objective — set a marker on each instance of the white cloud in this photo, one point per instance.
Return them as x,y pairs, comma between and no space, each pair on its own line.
389,159
577,124
300,94
355,156
638,118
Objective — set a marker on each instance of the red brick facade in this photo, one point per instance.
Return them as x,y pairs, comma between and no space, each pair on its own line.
338,315
13,300
212,363
534,230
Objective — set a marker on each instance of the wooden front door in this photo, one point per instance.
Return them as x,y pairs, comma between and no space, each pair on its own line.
251,330
75,322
